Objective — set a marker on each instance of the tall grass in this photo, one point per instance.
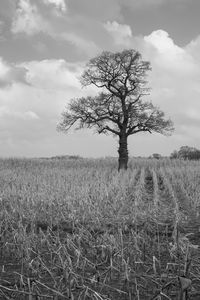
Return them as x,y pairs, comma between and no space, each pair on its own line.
78,229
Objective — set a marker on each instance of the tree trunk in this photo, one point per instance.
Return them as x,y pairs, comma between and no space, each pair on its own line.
123,153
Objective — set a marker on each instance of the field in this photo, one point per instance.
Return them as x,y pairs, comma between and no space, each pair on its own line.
78,229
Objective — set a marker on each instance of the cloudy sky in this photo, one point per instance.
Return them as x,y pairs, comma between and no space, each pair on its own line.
44,45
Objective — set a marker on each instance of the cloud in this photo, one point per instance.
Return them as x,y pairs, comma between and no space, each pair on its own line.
169,58
162,42
100,11
35,92
30,115
121,33
168,54
10,73
1,29
59,4
4,70
6,113
193,48
81,44
30,112
27,19
143,4
53,74
33,19
174,82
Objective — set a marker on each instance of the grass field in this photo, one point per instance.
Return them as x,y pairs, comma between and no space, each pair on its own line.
78,229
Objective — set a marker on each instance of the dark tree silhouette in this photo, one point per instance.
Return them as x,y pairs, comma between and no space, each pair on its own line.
119,109
186,153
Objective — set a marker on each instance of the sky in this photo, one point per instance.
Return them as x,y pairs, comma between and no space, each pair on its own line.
44,46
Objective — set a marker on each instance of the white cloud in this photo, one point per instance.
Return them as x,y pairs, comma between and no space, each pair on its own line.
27,19
31,19
163,43
10,73
167,54
193,48
121,33
59,4
4,70
53,74
174,81
6,112
29,113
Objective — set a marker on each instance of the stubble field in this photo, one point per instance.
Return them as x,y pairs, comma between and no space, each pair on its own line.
78,229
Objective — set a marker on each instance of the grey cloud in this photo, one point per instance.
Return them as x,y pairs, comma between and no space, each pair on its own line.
97,10
13,75
143,4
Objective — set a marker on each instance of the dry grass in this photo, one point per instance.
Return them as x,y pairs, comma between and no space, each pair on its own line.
78,229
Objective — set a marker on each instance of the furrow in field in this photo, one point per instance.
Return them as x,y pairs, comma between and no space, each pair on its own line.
161,205
180,192
190,221
140,191
151,208
149,186
166,200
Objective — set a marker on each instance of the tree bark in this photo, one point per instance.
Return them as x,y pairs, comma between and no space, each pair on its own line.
123,153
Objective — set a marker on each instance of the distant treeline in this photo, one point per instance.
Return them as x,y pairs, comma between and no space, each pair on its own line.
58,157
186,152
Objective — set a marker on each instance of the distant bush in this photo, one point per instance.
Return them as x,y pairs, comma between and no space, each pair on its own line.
66,157
156,156
174,154
186,153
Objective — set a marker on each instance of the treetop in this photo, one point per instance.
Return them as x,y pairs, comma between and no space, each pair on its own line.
122,73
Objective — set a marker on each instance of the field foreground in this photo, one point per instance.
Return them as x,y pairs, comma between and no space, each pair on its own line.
78,229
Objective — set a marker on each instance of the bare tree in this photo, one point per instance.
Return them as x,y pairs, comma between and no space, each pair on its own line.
119,109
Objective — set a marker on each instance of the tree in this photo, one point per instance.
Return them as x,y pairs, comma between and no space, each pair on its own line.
119,108
156,156
186,152
174,154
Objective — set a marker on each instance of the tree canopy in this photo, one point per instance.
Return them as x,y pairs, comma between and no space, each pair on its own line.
119,108
186,152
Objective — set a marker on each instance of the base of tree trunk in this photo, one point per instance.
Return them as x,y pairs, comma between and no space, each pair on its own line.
122,165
